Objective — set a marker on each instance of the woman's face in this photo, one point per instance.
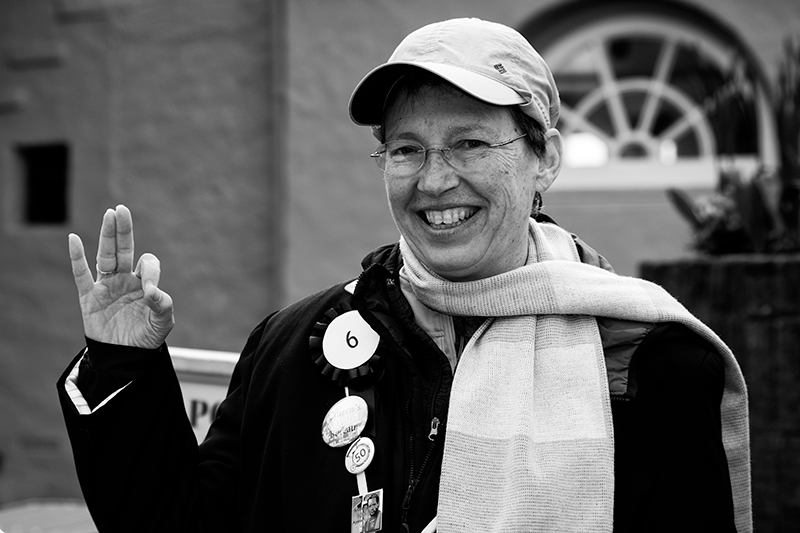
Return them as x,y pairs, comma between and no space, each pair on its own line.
463,224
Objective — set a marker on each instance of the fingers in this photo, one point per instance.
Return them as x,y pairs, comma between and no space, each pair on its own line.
115,249
124,223
107,246
80,268
149,270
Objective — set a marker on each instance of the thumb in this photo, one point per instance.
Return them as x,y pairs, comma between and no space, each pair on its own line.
157,300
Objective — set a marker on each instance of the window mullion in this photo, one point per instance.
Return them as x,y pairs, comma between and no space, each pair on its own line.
611,90
663,68
578,122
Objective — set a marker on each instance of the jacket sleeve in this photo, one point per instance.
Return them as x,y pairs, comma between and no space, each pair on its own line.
670,464
137,459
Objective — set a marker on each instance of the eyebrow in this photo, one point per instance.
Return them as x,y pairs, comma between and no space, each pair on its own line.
455,131
468,128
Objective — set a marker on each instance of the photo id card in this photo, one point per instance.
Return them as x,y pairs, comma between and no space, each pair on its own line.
367,512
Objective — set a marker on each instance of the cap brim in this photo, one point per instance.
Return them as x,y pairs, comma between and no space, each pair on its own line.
369,97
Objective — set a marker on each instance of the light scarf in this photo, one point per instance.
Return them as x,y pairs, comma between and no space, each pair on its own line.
529,443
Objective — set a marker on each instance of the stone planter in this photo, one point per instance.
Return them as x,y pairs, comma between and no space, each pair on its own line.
753,303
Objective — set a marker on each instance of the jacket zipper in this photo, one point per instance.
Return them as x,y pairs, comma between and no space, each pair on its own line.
414,481
436,425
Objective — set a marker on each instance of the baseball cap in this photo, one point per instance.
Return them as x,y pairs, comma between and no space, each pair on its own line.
487,60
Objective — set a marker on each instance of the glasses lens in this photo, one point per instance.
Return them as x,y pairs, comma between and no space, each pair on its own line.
401,157
469,153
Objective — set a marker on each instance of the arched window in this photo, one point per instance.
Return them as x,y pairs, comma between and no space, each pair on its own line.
653,96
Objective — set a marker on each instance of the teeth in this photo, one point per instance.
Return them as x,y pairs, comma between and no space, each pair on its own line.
449,217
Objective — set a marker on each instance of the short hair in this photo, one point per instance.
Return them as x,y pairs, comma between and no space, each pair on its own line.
413,84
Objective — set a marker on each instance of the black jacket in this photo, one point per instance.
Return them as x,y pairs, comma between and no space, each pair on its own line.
265,467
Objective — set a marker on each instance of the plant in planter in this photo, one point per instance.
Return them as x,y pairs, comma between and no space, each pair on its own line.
788,118
758,213
752,300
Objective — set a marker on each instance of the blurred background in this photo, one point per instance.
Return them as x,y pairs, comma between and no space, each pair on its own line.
223,125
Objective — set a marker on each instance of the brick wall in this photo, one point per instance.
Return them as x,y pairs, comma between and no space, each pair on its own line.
753,303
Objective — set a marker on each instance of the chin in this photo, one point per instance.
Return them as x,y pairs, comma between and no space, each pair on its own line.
453,270
453,261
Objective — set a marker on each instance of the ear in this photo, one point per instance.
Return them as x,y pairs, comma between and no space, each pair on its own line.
550,162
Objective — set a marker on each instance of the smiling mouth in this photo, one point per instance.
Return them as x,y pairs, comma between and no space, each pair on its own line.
447,218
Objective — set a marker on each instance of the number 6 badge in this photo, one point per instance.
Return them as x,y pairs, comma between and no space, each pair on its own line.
349,341
348,346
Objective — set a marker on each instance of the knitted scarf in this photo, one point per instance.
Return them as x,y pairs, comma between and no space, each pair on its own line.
529,443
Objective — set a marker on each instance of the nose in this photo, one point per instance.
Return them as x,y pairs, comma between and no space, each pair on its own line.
437,175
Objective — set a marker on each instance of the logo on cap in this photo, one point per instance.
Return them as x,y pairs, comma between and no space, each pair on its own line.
500,68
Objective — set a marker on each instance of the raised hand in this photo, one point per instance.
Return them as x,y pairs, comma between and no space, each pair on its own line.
124,305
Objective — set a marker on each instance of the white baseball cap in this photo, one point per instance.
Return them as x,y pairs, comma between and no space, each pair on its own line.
487,60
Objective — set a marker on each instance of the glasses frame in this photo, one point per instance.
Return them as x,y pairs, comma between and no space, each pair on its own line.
381,151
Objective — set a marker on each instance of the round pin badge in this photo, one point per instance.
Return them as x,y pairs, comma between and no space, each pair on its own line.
345,421
359,455
349,341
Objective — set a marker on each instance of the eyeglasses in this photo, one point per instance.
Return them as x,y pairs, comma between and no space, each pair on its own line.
403,158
